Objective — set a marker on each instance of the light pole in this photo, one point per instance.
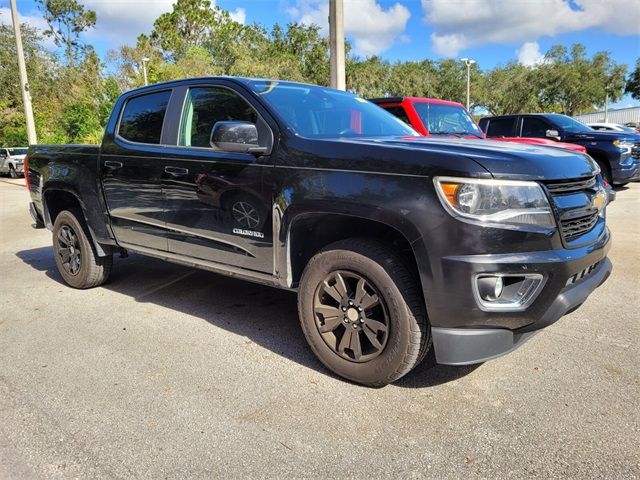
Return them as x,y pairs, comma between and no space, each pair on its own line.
144,69
336,44
468,62
24,83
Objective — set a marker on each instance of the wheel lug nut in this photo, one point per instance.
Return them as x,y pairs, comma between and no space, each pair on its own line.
344,309
355,326
362,320
359,309
346,320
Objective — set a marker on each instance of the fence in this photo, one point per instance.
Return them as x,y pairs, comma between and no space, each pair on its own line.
622,116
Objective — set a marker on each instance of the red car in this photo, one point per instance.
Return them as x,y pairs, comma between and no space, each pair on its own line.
430,116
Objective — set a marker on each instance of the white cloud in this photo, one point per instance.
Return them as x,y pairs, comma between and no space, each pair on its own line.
121,21
372,28
459,24
240,15
33,19
529,54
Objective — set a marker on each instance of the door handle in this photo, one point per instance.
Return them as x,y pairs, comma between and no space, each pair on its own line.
176,171
112,165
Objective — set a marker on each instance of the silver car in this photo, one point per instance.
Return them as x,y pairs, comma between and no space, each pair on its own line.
12,161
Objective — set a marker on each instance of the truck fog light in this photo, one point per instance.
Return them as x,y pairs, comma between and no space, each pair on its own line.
506,292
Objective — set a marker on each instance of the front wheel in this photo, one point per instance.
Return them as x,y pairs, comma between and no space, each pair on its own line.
12,172
362,312
79,266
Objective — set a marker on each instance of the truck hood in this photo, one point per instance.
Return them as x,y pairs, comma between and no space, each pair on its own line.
599,136
503,160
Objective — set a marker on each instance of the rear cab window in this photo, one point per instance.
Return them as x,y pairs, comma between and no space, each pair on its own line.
143,116
398,111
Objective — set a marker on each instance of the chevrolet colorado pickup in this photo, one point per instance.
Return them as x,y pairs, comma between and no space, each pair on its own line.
432,116
395,243
617,153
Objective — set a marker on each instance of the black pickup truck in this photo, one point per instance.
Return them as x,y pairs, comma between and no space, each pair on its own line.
394,242
617,153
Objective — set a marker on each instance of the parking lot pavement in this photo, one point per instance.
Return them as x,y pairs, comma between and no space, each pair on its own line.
169,372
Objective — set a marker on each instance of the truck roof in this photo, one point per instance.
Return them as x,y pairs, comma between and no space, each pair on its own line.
380,100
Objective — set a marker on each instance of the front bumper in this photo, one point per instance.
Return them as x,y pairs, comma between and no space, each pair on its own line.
571,275
626,173
464,346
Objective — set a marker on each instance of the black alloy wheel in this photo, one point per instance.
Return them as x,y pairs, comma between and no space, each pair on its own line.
351,316
69,250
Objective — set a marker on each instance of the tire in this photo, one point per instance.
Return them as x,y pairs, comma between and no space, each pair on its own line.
12,172
605,171
379,355
71,242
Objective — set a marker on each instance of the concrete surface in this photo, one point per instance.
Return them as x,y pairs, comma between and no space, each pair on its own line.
167,372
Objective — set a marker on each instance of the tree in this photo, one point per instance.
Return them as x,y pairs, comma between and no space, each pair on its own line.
513,89
67,19
633,83
572,83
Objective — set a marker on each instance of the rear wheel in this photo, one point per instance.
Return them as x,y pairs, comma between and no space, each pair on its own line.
362,312
76,261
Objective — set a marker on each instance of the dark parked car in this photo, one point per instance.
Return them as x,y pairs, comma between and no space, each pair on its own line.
394,242
617,153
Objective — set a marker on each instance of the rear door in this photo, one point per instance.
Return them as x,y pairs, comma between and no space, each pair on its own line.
132,170
218,205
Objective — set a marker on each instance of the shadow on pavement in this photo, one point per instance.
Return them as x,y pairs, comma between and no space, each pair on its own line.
267,316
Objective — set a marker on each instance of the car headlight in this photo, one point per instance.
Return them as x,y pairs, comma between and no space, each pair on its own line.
623,144
502,202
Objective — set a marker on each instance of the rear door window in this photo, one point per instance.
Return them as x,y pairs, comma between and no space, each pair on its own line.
501,127
143,116
399,112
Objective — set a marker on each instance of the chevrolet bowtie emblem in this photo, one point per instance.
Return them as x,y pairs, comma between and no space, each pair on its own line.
599,200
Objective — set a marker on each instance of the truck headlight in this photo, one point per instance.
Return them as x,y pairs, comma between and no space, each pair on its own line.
624,145
503,202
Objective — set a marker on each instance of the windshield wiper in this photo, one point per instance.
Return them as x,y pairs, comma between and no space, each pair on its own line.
454,133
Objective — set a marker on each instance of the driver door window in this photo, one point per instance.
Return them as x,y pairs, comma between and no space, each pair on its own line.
534,127
204,106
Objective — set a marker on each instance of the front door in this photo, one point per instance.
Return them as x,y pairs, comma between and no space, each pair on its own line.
218,207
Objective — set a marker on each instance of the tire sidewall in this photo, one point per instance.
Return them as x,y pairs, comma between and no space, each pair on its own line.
86,250
379,370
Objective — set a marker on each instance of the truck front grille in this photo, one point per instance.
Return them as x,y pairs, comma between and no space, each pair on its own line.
578,226
574,222
569,186
635,151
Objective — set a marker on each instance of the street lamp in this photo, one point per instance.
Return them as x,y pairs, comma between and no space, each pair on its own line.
144,69
468,62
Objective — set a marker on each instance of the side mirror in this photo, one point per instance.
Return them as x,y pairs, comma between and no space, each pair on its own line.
236,137
553,134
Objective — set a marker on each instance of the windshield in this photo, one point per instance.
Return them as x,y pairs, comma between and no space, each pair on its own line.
569,125
443,119
17,151
319,112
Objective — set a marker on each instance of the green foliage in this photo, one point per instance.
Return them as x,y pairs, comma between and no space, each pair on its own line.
571,83
633,83
67,19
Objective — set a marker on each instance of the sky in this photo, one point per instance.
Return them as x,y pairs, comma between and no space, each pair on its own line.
492,32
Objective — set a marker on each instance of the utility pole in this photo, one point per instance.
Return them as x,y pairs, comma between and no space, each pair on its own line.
144,69
24,83
336,44
468,62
